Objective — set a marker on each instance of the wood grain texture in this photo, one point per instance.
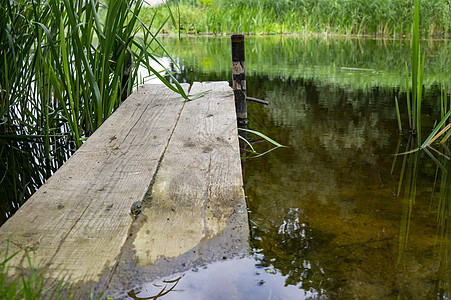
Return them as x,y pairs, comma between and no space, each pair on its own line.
78,220
181,159
199,183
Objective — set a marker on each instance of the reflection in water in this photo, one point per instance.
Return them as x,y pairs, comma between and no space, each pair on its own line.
326,210
134,295
237,279
357,63
439,203
24,167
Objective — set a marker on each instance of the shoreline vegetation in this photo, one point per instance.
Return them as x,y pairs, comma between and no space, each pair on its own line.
57,84
66,66
379,18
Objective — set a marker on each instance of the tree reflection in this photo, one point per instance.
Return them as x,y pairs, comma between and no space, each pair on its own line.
326,212
296,250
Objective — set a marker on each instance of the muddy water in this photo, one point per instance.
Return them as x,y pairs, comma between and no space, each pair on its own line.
329,217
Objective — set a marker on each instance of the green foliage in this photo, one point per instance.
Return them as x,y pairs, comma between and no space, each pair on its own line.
67,65
414,104
24,168
417,75
361,17
407,186
29,282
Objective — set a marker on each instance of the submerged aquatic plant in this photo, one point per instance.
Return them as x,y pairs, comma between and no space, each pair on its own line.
253,153
408,189
440,204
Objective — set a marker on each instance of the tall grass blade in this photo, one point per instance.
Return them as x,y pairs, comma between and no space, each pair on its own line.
398,115
415,63
436,130
262,136
409,109
419,93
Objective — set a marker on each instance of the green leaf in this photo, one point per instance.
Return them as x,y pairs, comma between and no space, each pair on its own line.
262,136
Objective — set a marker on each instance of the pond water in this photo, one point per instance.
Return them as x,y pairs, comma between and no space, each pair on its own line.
329,217
334,215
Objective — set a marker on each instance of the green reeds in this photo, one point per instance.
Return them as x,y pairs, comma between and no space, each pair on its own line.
410,165
414,103
67,65
417,73
398,115
24,167
27,284
29,281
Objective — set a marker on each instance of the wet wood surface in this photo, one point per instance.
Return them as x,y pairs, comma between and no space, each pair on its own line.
181,159
199,181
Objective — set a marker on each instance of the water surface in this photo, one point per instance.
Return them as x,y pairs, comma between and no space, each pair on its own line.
328,214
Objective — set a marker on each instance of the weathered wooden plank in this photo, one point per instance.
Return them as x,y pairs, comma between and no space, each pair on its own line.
181,159
199,184
195,212
77,222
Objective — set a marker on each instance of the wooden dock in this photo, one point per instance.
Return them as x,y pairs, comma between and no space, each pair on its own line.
179,160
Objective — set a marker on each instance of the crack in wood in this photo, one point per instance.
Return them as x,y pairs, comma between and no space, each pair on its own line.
147,200
207,200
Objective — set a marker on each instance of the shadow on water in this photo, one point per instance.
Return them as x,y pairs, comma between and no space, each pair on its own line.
24,167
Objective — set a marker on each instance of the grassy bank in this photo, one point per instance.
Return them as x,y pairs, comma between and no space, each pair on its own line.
357,17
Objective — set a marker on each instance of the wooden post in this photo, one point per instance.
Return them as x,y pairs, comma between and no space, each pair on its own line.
125,77
239,91
239,78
